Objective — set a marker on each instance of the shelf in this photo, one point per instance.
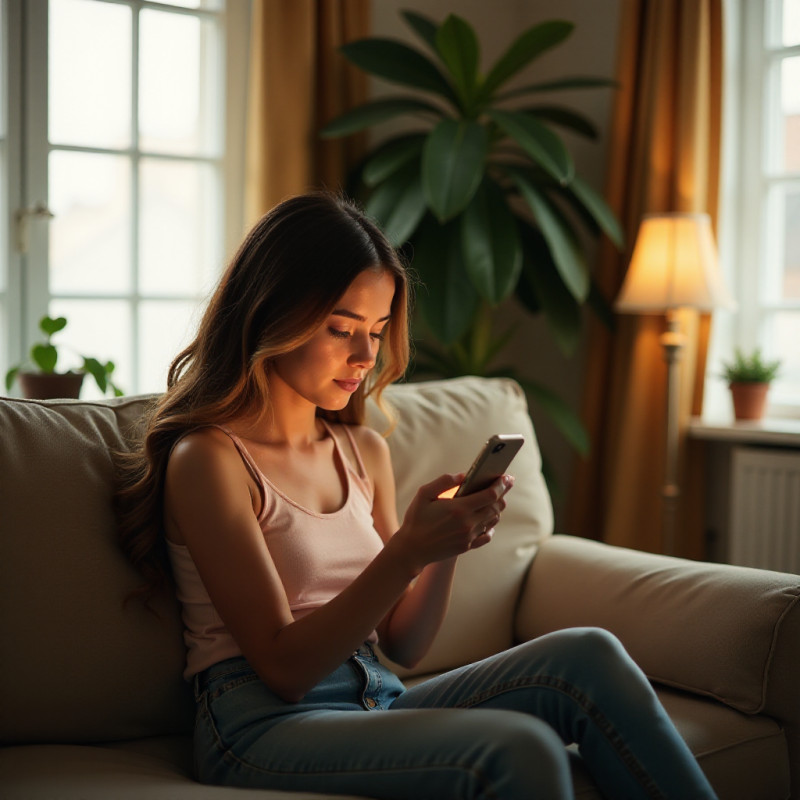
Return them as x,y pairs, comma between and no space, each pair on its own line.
783,432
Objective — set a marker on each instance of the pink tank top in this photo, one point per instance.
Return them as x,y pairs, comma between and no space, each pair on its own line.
316,555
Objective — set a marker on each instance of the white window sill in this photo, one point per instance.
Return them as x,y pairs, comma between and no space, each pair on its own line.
775,431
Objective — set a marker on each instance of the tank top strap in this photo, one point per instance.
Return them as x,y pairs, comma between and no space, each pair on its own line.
243,451
361,470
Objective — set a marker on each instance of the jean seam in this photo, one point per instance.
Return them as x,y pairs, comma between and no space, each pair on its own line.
595,715
232,758
234,684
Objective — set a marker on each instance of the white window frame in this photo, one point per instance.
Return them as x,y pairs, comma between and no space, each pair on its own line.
25,34
747,178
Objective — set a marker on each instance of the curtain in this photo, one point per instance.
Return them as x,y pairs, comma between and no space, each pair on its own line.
298,82
664,156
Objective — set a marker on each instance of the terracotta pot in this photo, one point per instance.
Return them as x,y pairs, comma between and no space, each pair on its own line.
50,386
749,400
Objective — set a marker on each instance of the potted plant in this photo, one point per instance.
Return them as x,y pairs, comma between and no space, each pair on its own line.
749,377
482,192
44,383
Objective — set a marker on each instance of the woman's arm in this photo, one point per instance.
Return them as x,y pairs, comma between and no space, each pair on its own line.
209,507
408,631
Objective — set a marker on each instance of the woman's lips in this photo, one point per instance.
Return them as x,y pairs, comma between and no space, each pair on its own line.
349,385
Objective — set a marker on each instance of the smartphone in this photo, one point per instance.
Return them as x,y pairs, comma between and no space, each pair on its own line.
491,463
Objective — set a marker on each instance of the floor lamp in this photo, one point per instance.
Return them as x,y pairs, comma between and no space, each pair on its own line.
674,265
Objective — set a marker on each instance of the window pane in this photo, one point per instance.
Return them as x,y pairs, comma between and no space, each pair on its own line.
3,227
791,250
211,5
179,248
4,365
90,240
98,329
3,90
165,328
784,335
89,73
790,109
179,108
791,23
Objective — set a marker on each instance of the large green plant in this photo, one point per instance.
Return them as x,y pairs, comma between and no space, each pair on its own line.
482,191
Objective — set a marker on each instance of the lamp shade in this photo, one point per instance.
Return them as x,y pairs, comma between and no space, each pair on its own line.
674,265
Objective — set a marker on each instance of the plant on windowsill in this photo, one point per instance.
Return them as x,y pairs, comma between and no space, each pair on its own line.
483,195
749,377
42,382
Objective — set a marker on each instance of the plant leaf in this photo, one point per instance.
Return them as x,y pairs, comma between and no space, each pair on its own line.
599,210
398,63
11,377
448,300
560,308
453,161
374,113
458,47
398,203
576,82
567,256
564,418
490,240
45,356
433,360
565,117
530,44
538,141
97,371
423,26
390,156
50,325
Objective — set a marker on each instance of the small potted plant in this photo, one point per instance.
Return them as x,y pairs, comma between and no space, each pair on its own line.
749,377
42,382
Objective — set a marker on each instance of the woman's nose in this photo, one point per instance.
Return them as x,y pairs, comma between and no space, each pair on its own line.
364,351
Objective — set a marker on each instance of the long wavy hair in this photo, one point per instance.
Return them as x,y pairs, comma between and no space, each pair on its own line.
279,288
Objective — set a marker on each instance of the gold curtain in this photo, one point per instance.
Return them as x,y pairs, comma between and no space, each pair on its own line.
298,82
664,156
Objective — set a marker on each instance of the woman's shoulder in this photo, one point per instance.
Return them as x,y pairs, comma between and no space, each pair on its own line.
368,440
208,444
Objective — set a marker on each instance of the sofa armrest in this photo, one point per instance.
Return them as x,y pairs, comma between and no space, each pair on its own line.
732,633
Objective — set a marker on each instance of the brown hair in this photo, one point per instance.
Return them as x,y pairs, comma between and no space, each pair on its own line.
282,284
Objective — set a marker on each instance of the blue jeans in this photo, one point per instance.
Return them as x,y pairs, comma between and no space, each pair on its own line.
458,735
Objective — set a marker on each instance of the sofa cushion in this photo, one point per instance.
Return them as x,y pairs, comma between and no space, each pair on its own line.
441,425
727,745
155,769
77,666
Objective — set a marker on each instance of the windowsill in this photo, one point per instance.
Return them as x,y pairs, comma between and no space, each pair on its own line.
776,431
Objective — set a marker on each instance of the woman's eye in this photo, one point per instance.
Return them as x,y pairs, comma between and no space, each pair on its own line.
339,334
378,337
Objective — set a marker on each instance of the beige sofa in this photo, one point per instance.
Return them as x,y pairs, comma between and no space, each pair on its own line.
92,703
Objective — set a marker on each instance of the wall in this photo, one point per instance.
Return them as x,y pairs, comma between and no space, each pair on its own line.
590,50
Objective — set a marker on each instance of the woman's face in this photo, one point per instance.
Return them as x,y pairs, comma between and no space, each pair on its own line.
327,369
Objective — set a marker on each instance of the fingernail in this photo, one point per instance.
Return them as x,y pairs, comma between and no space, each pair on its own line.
508,480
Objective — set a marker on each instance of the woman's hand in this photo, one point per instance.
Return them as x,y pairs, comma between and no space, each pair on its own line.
436,528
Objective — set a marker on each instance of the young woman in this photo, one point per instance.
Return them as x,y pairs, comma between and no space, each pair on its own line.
275,507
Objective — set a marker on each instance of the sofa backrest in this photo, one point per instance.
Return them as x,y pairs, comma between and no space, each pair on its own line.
77,666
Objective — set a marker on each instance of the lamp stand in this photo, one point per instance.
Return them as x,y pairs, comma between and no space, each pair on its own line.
672,341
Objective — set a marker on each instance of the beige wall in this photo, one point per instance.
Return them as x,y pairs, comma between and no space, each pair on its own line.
590,50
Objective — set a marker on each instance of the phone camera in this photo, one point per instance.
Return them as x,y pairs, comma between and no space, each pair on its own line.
498,447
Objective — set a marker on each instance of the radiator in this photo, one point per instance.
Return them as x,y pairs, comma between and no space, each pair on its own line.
765,509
